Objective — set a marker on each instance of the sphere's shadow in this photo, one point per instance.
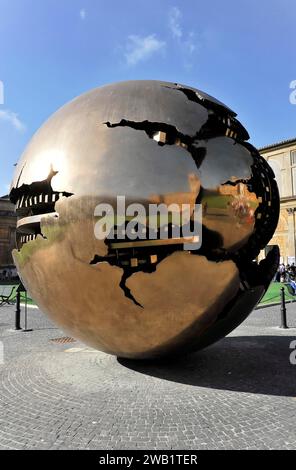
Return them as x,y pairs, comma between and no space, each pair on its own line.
251,364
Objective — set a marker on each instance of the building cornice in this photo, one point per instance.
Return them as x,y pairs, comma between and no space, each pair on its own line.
288,199
278,145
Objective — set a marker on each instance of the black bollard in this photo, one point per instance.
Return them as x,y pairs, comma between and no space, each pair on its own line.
283,310
18,311
26,329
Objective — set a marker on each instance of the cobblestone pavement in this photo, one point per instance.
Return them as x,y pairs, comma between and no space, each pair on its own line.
238,394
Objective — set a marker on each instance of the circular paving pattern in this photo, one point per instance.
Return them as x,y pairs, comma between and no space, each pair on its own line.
74,397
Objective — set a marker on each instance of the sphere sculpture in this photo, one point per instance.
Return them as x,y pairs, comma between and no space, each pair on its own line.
152,143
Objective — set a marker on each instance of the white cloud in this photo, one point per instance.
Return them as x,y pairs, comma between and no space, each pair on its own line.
82,14
191,45
175,16
12,118
186,41
141,48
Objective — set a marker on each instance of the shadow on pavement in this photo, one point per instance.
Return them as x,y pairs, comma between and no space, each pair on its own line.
252,364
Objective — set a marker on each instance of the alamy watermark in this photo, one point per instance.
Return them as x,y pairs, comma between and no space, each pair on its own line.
135,222
293,93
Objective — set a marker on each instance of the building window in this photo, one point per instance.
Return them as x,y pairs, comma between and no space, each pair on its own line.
293,170
275,165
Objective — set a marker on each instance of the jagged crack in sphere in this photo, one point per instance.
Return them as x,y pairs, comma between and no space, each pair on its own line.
154,143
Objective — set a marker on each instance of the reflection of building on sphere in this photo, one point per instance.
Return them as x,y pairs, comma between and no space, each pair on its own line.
152,142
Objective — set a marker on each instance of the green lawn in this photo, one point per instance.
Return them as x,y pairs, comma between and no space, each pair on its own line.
221,201
29,300
273,294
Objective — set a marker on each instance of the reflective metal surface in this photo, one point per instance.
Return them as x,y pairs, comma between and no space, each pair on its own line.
153,142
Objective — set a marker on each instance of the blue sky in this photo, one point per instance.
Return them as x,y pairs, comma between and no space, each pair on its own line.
242,52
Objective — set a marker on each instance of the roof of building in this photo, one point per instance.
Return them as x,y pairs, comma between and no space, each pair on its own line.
283,143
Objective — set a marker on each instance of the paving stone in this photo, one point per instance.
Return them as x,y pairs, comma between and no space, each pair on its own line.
237,394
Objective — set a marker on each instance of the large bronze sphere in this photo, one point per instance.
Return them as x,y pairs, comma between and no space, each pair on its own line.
152,142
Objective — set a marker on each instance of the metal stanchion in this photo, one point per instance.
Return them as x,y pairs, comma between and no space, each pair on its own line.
26,314
283,310
18,311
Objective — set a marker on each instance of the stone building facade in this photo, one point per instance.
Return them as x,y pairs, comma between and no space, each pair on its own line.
281,157
7,233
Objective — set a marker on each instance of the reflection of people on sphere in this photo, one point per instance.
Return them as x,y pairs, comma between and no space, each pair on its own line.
293,285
